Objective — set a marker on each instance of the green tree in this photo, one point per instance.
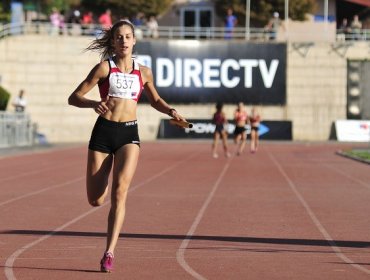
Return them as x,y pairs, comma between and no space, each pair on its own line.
47,5
41,6
128,8
262,10
4,13
4,98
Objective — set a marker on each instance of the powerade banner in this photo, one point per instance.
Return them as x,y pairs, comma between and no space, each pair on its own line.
188,71
269,130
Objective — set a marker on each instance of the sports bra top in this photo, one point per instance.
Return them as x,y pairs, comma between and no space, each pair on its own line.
254,119
218,118
122,85
240,116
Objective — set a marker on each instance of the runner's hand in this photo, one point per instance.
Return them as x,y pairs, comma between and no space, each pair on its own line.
101,107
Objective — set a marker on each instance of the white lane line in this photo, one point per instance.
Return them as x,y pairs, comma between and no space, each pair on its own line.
42,190
37,152
180,254
9,273
18,175
316,221
348,176
8,269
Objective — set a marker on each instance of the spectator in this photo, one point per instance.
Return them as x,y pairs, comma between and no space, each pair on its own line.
356,27
75,23
76,17
20,102
55,19
344,30
152,25
273,26
138,20
230,22
105,20
87,18
86,23
62,23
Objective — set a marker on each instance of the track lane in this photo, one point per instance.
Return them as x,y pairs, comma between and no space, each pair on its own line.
45,236
281,227
262,225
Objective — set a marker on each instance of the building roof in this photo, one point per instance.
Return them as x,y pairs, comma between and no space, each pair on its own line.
360,2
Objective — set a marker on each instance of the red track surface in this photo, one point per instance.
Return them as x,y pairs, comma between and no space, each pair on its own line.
291,211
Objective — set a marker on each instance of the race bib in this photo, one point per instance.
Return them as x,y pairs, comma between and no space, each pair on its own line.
124,85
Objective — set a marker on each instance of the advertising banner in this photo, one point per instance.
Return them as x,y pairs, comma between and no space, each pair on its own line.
189,71
203,129
353,130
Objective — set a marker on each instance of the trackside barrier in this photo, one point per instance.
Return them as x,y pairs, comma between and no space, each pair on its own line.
16,129
177,32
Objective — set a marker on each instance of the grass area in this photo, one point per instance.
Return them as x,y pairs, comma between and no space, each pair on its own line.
361,154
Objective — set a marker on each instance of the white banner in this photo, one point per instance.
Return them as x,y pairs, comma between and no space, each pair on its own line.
353,130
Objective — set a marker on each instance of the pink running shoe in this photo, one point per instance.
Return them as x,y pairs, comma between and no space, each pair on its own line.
106,263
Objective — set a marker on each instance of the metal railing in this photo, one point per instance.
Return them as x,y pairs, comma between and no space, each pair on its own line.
168,32
180,32
16,130
360,35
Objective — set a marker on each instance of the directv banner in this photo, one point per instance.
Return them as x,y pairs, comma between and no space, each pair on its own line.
269,130
190,71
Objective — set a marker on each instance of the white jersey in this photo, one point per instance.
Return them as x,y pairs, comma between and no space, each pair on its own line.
122,85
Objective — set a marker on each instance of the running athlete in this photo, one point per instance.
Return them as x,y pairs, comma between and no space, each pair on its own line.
241,119
255,120
220,121
114,142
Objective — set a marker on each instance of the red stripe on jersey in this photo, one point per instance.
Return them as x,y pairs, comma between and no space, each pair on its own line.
104,88
137,72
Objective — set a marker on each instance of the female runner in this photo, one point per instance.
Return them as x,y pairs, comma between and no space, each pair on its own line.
255,120
241,119
114,142
219,119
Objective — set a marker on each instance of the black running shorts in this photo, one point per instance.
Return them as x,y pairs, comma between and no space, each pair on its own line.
108,136
239,130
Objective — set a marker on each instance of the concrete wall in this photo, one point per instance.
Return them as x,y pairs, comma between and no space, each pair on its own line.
317,85
49,68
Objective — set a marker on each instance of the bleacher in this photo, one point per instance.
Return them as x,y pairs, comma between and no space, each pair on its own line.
49,67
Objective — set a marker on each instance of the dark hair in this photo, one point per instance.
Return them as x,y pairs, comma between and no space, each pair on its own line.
219,106
103,44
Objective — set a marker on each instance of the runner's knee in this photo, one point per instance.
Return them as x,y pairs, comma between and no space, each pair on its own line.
96,202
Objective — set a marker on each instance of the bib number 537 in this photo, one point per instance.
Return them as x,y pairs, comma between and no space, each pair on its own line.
123,83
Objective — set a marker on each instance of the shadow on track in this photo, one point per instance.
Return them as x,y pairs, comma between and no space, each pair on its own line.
52,269
240,239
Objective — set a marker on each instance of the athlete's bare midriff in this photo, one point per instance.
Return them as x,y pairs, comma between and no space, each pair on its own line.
120,110
241,123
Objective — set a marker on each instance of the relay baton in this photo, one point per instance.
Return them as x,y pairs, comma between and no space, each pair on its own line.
181,123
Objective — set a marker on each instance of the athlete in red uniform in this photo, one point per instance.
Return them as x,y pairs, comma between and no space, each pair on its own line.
241,119
219,119
115,140
255,120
